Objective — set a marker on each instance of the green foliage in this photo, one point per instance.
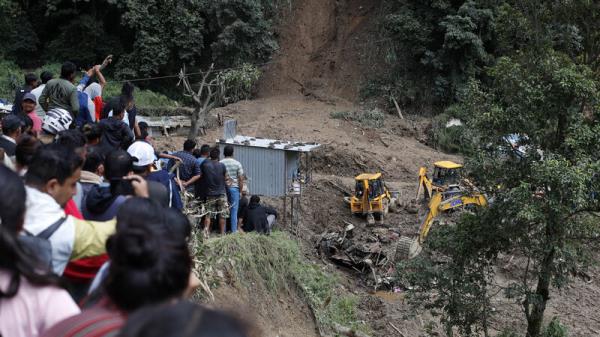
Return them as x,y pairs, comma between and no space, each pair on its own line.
167,34
454,276
555,329
12,77
147,38
239,82
275,264
373,118
542,194
437,46
239,31
143,97
452,138
16,42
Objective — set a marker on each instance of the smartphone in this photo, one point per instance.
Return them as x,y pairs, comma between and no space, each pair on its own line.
120,186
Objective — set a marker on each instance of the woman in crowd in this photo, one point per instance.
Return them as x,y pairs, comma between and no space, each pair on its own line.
24,152
184,319
148,266
30,299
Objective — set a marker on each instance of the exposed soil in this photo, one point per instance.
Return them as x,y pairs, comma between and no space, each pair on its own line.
286,316
326,48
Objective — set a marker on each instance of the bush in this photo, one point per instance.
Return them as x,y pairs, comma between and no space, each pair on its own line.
275,264
373,118
449,132
12,77
555,329
239,82
143,98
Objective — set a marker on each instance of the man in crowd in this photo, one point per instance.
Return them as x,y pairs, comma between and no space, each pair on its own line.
214,175
144,156
31,81
236,178
202,153
104,200
60,93
259,218
131,112
28,106
50,183
91,173
45,76
189,171
115,133
11,131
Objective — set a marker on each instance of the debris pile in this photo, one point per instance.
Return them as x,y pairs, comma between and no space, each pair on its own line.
371,254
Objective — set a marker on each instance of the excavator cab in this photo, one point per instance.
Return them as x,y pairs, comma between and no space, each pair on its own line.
447,175
371,197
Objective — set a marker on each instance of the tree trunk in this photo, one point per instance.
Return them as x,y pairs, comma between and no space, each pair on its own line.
536,307
195,125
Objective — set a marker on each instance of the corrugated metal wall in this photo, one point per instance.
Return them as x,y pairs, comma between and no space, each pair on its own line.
264,167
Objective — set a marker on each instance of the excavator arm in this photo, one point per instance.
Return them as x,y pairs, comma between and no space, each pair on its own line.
425,185
436,206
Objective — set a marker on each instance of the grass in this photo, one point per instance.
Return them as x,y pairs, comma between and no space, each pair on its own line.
11,77
373,118
276,264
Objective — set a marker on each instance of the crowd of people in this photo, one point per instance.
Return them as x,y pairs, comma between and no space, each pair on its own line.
93,240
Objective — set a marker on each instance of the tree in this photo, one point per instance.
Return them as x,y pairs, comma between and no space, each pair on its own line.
209,95
215,89
435,47
544,197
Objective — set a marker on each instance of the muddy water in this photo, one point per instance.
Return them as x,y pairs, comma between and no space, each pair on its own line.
390,297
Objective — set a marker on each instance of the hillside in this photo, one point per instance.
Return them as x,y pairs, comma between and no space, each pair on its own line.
326,49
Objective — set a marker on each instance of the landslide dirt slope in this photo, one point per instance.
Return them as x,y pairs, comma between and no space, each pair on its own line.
319,70
326,48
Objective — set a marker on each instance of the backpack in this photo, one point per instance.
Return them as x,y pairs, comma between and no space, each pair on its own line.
39,245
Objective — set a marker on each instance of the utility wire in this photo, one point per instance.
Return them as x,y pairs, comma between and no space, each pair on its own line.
255,65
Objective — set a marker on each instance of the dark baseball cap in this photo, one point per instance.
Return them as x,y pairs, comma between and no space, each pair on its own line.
30,96
12,122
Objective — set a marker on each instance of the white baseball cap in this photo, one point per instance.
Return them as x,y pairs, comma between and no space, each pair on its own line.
142,153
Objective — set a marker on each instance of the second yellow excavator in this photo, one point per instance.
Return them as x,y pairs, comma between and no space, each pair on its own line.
445,193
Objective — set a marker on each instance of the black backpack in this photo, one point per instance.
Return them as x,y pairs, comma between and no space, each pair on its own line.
39,245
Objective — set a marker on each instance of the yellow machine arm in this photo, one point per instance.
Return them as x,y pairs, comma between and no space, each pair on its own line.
437,205
366,203
425,185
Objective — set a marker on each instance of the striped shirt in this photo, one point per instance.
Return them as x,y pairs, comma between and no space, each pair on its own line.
234,170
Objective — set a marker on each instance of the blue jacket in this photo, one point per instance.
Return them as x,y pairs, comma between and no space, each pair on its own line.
166,179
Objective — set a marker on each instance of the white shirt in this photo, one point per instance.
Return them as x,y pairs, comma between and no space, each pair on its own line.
125,117
9,139
38,108
42,211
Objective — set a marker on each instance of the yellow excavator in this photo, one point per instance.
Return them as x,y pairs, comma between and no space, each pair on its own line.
445,193
371,197
446,174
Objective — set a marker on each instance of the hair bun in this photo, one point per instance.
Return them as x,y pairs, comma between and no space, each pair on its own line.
136,248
